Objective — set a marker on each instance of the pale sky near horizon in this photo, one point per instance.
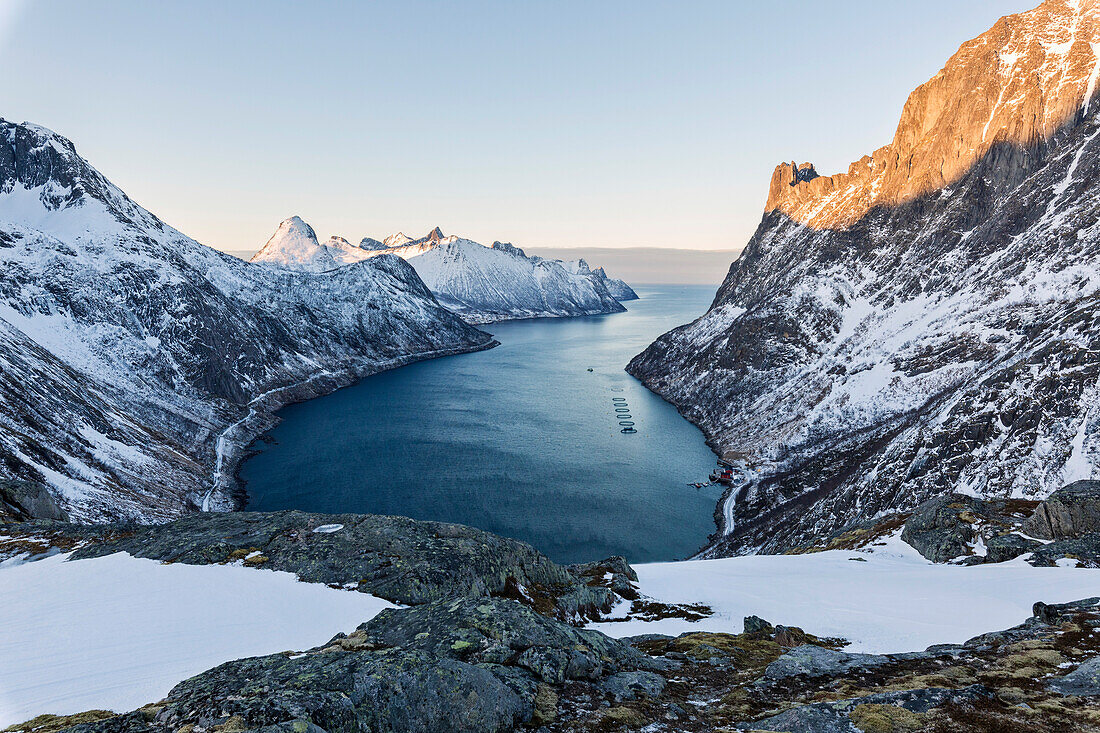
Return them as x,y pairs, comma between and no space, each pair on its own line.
547,124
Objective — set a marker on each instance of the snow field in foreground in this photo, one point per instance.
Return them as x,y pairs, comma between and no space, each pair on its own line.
119,632
896,601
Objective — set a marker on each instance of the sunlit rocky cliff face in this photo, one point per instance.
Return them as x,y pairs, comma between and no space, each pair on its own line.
1018,84
925,322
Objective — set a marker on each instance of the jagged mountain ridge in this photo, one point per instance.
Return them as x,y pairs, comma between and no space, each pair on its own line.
1017,83
619,290
867,352
137,362
482,284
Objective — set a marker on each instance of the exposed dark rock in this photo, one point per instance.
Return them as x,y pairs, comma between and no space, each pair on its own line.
21,500
494,665
1007,546
1085,680
953,527
1070,512
815,661
475,665
631,685
614,573
756,626
1085,550
1056,613
402,560
804,719
942,528
790,636
839,716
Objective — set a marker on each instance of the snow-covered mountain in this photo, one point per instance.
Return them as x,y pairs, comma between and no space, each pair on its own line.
619,290
926,322
482,284
136,362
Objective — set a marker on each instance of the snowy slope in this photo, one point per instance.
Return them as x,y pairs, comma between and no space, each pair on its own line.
892,601
619,289
495,283
123,631
294,245
482,284
877,342
129,350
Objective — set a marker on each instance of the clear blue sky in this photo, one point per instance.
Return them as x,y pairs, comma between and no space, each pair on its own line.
543,123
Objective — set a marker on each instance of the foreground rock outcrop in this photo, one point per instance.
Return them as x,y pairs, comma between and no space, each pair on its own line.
399,559
967,530
1070,512
925,324
495,665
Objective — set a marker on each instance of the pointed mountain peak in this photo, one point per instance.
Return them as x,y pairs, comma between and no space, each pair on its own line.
294,245
296,225
435,235
396,240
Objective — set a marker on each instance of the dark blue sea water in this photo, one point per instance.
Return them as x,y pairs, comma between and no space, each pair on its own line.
520,440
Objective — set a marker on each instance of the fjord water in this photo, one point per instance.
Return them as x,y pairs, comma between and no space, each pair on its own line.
521,440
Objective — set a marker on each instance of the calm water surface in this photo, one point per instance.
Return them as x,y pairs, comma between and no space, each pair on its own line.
521,440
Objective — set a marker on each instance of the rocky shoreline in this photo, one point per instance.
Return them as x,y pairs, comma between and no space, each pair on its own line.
227,492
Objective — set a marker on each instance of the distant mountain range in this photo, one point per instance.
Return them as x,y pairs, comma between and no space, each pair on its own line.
925,322
651,265
137,363
482,284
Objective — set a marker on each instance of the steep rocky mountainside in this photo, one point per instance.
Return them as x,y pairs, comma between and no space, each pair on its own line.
482,284
619,290
925,323
137,362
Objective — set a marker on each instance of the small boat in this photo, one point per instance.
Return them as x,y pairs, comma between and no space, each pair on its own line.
589,368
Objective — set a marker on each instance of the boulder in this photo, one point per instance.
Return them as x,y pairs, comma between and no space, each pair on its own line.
614,573
22,500
1070,512
756,626
1085,680
942,527
1084,550
815,661
1008,546
790,636
632,685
